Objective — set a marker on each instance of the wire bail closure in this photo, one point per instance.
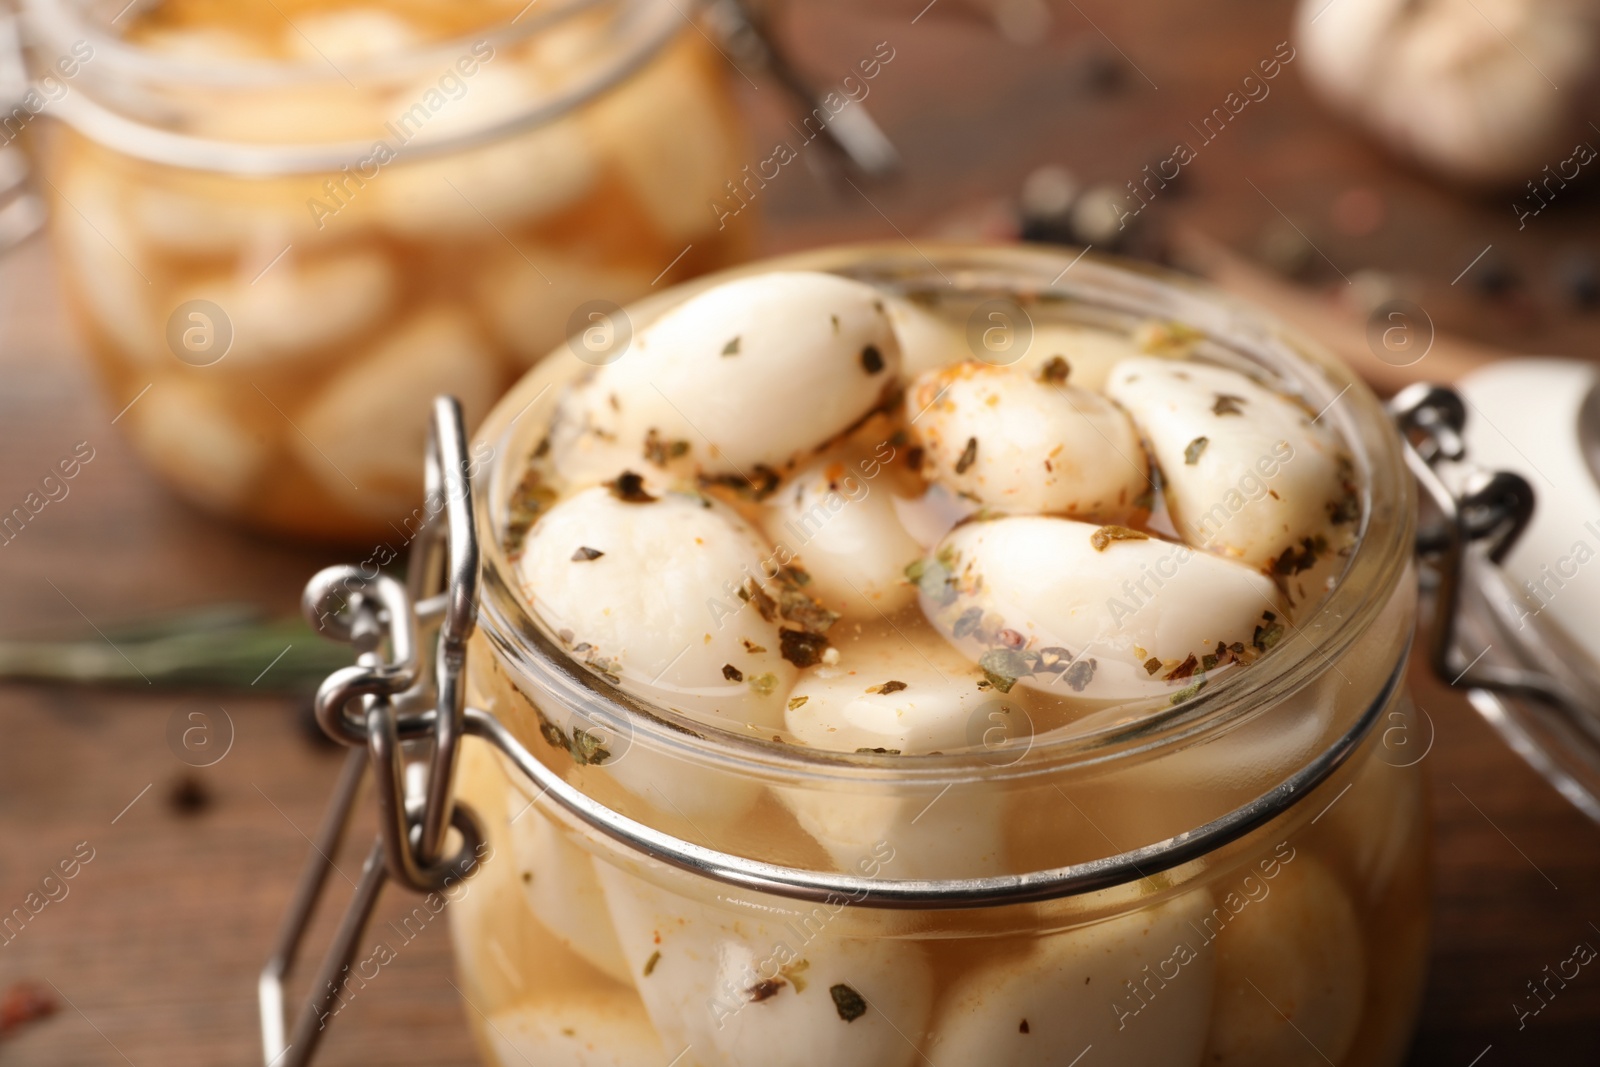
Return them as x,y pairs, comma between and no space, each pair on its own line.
405,714
400,712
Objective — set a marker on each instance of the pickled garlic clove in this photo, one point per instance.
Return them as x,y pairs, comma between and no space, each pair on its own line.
293,310
106,264
364,436
671,133
660,595
838,519
517,178
738,990
1086,354
911,694
593,1030
1248,473
927,341
559,883
1137,988
743,378
1074,609
354,35
1300,945
202,215
189,434
530,294
926,832
1027,444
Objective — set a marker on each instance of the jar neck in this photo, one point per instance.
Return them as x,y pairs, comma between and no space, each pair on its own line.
144,105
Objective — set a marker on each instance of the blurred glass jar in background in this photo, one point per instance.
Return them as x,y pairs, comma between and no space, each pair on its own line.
285,227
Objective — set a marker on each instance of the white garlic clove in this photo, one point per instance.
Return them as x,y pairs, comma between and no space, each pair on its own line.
838,518
1073,609
364,436
1136,988
1027,445
202,218
927,340
559,883
530,295
886,693
745,376
518,178
649,593
671,134
912,694
1248,473
1087,354
1291,973
577,1030
189,434
1483,99
296,311
737,990
107,264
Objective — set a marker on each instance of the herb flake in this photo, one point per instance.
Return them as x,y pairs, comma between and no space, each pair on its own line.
1101,539
1228,404
584,554
1197,447
969,456
802,647
850,1004
628,487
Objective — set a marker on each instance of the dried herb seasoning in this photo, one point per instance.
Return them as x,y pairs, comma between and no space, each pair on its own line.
802,647
1080,674
584,554
877,751
1197,447
887,687
732,673
660,451
796,703
967,622
1002,667
871,359
1228,404
1102,538
752,593
1055,371
850,1004
764,684
650,964
628,487
1152,665
731,348
765,989
1184,669
1189,691
969,456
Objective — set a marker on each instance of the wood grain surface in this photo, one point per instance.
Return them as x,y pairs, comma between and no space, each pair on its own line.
154,950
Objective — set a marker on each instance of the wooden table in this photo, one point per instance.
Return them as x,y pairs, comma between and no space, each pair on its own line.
155,948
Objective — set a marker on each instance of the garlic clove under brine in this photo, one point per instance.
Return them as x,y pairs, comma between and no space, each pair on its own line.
1028,443
559,883
1291,973
887,695
583,1029
737,382
1248,473
735,989
1098,612
1136,988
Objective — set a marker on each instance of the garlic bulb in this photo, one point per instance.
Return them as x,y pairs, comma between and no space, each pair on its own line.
1482,91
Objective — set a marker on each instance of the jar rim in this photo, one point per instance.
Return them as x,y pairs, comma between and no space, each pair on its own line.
641,29
1371,574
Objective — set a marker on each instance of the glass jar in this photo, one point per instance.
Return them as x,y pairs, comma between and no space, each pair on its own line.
284,230
1238,878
